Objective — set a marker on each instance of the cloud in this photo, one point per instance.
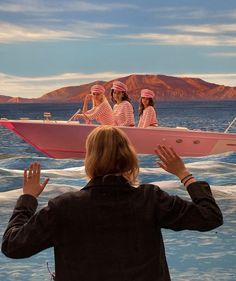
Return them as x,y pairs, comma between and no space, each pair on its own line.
54,21
31,87
191,12
40,20
204,28
180,12
182,39
223,14
10,33
188,34
223,54
226,79
231,14
53,7
196,35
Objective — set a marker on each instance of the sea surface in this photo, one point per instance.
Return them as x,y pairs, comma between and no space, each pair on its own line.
191,255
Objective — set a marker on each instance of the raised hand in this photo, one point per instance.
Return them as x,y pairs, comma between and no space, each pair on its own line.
88,97
170,161
31,182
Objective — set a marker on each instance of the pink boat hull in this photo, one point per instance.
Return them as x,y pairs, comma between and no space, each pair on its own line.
62,139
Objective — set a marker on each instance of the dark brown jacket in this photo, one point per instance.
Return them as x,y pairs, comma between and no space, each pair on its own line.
109,230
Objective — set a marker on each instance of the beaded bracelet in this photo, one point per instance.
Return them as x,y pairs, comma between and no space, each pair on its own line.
184,178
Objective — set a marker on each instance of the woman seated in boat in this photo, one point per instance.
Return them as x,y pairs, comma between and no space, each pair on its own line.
101,110
123,110
147,113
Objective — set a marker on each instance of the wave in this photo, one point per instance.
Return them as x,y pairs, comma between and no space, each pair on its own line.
220,191
200,165
10,155
168,185
67,172
212,165
219,173
50,191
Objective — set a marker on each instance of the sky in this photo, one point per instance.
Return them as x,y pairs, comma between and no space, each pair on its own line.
49,44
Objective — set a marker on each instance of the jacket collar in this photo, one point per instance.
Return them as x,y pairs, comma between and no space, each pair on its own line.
108,180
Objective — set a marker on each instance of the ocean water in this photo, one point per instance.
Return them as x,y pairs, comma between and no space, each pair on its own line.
191,255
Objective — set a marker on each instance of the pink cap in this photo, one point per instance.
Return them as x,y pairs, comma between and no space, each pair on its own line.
119,86
146,93
97,89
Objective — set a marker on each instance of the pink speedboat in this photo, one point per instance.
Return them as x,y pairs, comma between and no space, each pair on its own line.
66,139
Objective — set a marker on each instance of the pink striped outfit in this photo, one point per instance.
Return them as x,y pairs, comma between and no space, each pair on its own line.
102,113
148,118
123,114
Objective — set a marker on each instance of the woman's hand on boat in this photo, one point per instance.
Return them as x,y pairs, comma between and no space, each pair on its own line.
170,161
31,182
78,116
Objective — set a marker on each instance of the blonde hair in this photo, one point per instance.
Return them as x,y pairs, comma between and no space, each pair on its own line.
109,151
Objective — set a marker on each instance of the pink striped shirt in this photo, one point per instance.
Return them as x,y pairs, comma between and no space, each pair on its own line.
102,113
148,118
123,114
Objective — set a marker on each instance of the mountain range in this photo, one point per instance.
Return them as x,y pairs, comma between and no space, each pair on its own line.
166,88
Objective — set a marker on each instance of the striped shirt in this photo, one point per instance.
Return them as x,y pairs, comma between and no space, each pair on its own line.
148,118
102,113
123,114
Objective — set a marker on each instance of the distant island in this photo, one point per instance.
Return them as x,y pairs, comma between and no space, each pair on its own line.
167,88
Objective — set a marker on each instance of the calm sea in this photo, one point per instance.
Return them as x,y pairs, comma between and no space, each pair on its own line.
191,255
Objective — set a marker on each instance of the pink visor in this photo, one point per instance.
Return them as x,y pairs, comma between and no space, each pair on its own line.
97,89
119,86
146,93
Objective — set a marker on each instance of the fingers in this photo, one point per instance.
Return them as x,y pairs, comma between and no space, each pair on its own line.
30,173
33,174
25,177
162,157
37,171
162,165
165,154
174,153
165,151
170,161
88,97
31,180
168,157
43,185
34,170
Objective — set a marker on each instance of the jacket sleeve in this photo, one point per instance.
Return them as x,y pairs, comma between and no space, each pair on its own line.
201,214
28,232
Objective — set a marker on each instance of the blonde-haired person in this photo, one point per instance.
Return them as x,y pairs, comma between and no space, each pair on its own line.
147,113
101,110
109,230
123,110
108,152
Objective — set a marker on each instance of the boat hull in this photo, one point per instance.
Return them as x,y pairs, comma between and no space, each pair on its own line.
63,139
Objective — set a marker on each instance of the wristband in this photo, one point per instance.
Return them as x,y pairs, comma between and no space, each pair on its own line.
184,178
188,180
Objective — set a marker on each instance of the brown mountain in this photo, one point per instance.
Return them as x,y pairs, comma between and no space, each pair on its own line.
167,88
7,99
4,99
